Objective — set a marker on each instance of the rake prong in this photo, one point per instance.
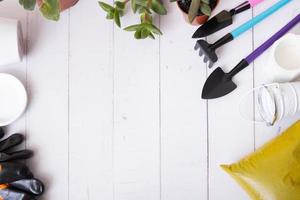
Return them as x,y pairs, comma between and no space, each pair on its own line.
209,50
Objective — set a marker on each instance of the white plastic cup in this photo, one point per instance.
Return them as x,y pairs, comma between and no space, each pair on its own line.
11,41
284,59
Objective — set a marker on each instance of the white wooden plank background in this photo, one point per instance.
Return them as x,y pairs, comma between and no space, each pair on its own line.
117,119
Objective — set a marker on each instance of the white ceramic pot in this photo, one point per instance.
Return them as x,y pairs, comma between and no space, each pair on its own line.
284,59
11,40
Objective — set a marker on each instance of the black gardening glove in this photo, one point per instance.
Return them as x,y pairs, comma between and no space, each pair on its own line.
16,180
10,142
25,189
7,193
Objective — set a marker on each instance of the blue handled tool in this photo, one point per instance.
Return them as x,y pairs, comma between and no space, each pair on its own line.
209,50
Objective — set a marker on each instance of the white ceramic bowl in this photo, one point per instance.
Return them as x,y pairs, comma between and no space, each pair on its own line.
13,99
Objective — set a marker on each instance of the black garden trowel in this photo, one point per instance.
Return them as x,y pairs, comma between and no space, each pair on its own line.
222,19
219,83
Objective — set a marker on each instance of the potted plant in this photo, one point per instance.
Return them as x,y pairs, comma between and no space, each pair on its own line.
49,8
196,12
145,8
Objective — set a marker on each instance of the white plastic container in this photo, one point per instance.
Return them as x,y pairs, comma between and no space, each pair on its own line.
275,102
284,59
11,41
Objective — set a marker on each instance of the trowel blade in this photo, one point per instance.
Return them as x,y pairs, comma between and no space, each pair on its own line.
218,22
217,85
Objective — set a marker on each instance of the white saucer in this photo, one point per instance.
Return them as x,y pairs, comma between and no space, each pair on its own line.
13,99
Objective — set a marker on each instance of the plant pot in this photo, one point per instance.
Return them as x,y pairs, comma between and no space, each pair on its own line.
201,18
64,4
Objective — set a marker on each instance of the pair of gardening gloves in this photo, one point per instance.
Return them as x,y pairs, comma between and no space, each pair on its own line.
16,180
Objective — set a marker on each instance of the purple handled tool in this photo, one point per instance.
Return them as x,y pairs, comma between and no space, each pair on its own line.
220,83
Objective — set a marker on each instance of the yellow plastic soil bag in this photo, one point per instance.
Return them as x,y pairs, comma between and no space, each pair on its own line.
273,171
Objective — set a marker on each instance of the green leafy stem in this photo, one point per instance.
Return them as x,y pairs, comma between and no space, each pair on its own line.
145,8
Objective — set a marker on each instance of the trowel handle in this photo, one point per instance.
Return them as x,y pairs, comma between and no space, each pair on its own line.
254,2
257,52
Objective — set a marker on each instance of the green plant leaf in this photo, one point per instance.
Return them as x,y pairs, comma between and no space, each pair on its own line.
106,7
137,34
120,5
193,10
110,15
144,33
205,9
151,36
134,6
28,4
158,7
144,10
206,1
173,0
121,13
50,9
117,18
133,27
142,3
152,28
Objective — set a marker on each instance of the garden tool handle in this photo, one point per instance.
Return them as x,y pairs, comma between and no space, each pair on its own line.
254,2
240,8
256,53
248,25
244,6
